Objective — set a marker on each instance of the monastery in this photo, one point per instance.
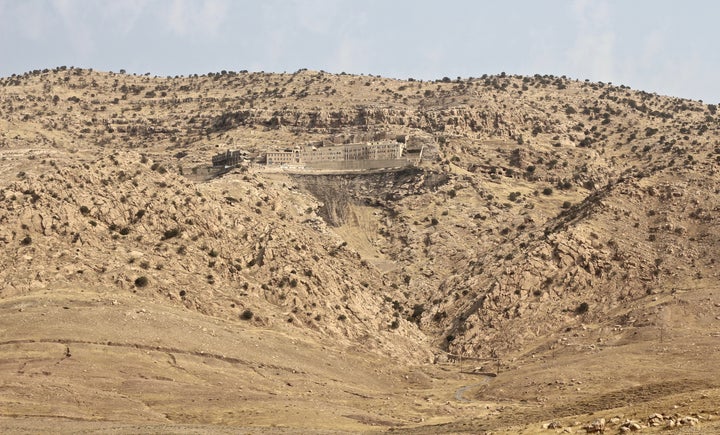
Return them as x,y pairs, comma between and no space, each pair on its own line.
307,155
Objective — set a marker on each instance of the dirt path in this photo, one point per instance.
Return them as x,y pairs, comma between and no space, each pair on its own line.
460,392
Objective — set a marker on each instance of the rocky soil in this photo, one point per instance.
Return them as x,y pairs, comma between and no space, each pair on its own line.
560,234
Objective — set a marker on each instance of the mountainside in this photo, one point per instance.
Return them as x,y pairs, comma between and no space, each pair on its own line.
552,227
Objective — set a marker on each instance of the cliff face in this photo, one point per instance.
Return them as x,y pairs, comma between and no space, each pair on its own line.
452,121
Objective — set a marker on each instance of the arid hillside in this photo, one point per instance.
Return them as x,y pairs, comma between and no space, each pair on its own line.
550,229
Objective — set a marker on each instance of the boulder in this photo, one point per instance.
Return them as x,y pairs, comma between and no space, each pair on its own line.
598,426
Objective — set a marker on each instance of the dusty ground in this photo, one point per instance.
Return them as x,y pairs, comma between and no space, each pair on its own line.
85,362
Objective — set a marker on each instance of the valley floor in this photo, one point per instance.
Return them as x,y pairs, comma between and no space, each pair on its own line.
86,362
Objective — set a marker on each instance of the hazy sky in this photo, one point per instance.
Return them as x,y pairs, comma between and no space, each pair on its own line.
666,46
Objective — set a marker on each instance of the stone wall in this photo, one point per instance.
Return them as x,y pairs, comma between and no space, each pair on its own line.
347,165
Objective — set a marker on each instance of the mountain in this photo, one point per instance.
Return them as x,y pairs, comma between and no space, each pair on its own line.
551,255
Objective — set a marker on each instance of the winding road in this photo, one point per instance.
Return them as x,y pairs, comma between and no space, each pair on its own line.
460,392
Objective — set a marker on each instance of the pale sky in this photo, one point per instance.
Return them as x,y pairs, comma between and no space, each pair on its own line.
670,47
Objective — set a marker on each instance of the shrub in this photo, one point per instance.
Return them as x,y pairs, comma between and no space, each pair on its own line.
564,185
547,191
141,281
418,310
26,241
169,234
247,314
582,308
84,210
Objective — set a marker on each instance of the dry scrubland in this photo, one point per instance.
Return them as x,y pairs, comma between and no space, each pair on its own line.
561,233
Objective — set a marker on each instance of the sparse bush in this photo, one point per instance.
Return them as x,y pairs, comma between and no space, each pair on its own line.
564,185
582,308
169,234
418,310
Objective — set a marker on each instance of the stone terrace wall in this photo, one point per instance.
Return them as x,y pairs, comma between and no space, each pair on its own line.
347,165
